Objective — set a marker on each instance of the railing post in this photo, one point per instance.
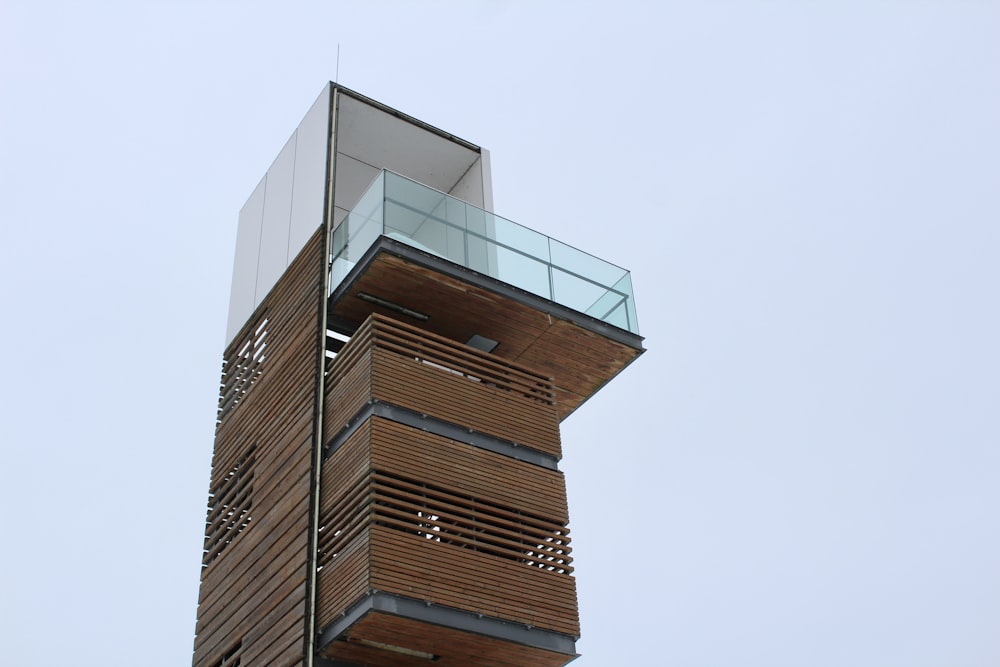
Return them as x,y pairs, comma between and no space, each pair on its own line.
548,265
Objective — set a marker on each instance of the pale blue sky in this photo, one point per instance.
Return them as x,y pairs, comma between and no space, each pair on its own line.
802,470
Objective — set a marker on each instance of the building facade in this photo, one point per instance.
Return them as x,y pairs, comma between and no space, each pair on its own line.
385,486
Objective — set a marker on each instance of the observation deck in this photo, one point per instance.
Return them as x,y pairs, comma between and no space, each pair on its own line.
385,481
467,274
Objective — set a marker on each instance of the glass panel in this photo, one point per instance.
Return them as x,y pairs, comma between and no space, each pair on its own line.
456,238
475,221
574,291
455,213
430,235
482,252
412,204
525,240
479,255
618,316
616,306
442,225
359,230
582,264
608,303
523,271
625,287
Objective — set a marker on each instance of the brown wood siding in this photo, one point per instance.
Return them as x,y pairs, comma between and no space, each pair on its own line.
579,359
344,518
411,564
346,580
407,452
409,512
348,389
400,364
431,390
255,589
445,574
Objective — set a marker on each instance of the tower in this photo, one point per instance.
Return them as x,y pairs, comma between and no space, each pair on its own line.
385,486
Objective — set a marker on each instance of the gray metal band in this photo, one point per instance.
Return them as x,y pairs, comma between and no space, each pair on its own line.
440,427
449,617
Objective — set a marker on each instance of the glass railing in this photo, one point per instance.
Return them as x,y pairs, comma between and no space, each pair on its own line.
401,209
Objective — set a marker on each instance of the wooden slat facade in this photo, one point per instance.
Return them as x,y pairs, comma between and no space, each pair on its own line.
400,364
395,500
443,521
412,513
440,506
578,356
344,544
253,588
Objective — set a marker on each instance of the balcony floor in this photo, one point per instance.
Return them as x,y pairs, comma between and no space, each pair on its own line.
578,352
450,647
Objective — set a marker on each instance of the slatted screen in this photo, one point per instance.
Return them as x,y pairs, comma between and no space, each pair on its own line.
229,506
436,513
254,580
242,368
402,365
415,513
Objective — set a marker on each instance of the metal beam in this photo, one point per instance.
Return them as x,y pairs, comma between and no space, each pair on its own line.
440,427
449,617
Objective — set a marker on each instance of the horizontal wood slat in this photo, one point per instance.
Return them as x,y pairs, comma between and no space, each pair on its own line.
393,362
254,585
456,577
243,368
445,517
581,356
498,526
345,580
430,390
407,339
229,508
407,452
344,548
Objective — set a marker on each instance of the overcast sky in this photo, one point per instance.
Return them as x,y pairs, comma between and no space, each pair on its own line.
803,468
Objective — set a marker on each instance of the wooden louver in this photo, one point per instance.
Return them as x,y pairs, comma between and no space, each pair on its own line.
414,507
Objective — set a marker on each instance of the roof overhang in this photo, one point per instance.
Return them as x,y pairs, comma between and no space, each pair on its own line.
580,353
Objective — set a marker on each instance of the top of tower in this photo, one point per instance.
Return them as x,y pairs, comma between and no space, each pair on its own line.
413,236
